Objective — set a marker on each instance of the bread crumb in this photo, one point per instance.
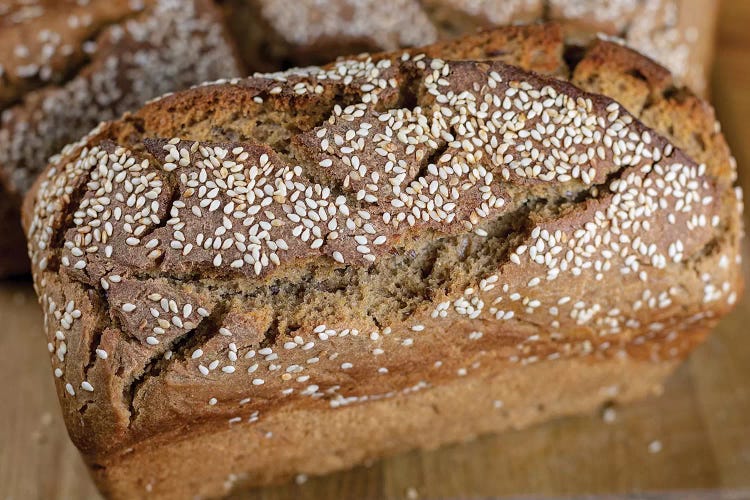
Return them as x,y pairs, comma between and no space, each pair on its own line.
497,404
300,479
412,493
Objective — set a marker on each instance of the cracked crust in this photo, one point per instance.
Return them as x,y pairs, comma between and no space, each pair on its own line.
282,246
47,81
65,67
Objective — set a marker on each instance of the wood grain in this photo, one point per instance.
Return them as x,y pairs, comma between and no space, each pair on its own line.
701,420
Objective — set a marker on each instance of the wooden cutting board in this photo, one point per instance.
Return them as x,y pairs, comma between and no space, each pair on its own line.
696,436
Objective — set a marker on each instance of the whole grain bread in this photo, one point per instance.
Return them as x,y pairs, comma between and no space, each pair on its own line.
66,65
677,33
300,271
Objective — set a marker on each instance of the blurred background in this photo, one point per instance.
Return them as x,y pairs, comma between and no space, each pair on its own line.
692,442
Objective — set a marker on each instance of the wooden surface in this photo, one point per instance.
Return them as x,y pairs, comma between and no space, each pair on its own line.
702,421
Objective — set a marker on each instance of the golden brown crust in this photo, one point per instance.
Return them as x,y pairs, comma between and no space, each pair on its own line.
677,33
267,246
641,81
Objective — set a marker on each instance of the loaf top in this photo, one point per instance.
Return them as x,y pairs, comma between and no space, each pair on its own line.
66,65
325,236
660,29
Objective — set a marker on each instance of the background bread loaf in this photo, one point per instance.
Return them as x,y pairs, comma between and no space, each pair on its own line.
677,33
66,65
299,271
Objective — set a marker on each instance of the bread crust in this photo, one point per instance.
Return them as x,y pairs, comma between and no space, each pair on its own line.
340,284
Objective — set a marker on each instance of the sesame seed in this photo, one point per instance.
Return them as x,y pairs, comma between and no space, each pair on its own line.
654,446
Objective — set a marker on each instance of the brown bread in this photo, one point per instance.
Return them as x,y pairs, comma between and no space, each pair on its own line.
296,272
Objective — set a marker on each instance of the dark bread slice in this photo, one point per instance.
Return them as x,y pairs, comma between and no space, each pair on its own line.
218,265
91,63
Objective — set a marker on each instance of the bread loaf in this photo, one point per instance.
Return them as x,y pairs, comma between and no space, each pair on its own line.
297,272
65,65
677,33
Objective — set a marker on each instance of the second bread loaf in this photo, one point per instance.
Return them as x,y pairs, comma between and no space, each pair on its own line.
66,65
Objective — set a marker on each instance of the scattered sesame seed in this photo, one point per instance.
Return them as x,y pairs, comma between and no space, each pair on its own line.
654,446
